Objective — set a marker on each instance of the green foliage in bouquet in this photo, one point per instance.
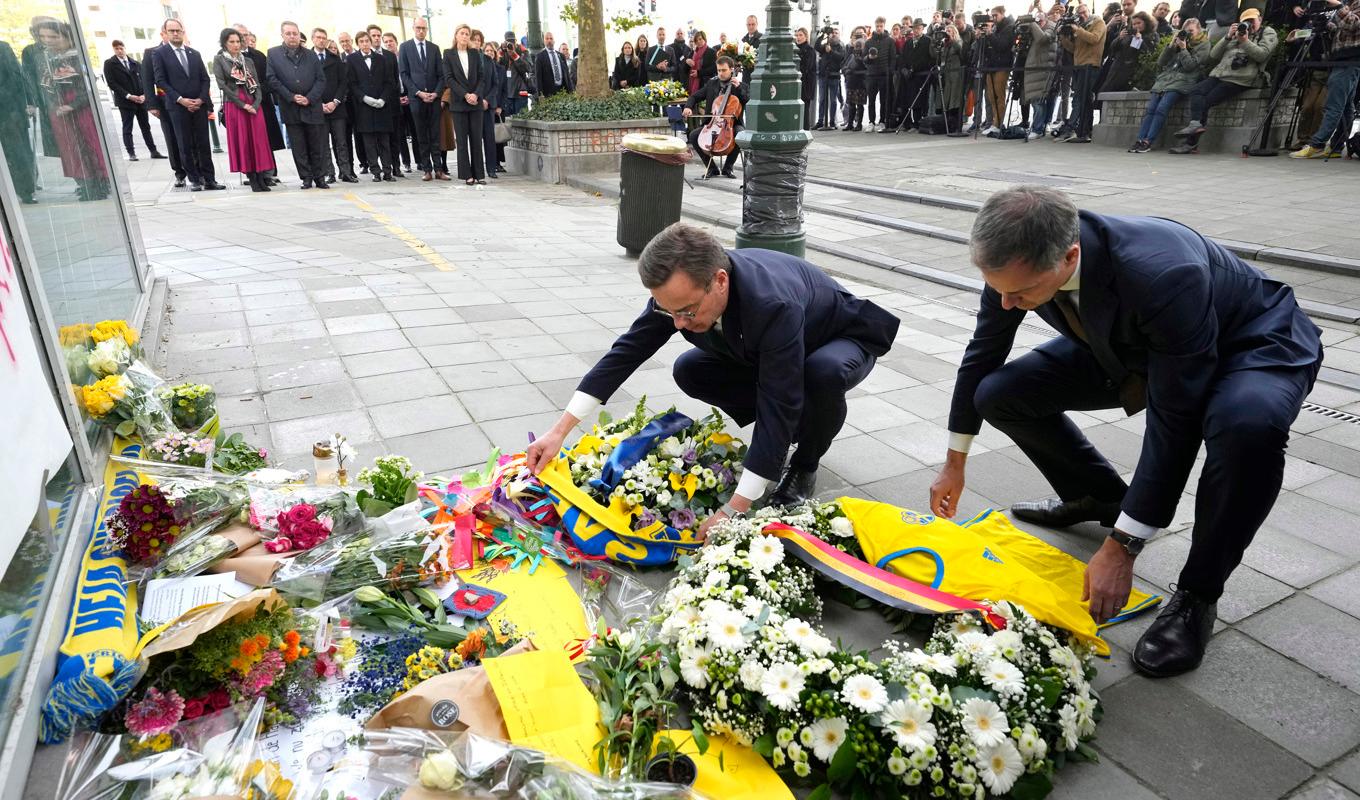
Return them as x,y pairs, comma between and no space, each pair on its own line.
235,456
392,481
191,405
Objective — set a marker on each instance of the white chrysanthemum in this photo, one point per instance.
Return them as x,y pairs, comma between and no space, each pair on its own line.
1008,643
801,769
751,674
1064,658
725,630
694,667
977,645
933,662
984,722
1067,721
752,606
806,638
864,692
1003,676
781,685
1086,708
842,527
716,555
783,737
897,765
766,552
999,766
717,578
1031,745
827,737
910,725
961,624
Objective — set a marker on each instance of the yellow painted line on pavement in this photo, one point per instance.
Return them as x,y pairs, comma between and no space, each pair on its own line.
423,250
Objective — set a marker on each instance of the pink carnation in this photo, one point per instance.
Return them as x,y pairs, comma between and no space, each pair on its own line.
281,544
262,675
155,713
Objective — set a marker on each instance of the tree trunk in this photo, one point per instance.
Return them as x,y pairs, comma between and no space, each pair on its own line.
593,67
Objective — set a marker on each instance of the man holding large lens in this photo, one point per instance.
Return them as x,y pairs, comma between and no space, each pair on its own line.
776,342
1151,314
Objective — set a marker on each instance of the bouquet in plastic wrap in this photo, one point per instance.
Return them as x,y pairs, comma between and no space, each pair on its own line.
98,351
438,764
191,405
342,564
235,456
128,402
155,517
292,518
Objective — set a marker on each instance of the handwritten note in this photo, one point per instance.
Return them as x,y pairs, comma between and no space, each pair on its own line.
545,704
542,606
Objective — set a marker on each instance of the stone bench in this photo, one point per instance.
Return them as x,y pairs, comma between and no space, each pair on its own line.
1231,124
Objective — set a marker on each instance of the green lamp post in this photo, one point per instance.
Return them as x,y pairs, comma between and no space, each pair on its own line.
774,143
535,29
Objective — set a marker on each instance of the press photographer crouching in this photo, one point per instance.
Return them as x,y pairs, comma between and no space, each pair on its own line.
1180,67
1345,29
1241,56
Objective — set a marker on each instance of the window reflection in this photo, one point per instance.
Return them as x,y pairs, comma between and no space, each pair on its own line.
61,172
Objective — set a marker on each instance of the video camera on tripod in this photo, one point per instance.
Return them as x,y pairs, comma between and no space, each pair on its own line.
1067,22
824,34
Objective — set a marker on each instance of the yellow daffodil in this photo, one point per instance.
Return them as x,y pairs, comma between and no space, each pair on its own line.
690,483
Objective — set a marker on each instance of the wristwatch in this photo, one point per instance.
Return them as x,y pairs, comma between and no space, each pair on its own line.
1132,545
730,512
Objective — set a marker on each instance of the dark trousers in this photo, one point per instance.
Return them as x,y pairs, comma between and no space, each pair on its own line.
171,146
1083,98
1245,430
425,131
400,151
809,102
876,88
375,145
1208,93
828,97
711,161
139,114
491,160
343,163
308,142
828,373
191,136
467,129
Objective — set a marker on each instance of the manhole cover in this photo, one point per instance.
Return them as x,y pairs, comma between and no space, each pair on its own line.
339,224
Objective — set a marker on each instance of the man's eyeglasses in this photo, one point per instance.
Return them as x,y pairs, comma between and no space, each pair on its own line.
682,314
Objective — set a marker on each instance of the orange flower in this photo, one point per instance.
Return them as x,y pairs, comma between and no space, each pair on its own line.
473,646
305,651
238,665
261,640
292,638
249,649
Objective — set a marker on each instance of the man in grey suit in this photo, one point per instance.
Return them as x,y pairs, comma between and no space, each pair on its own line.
296,76
423,78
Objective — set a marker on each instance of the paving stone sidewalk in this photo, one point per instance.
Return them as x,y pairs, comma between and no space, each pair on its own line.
439,322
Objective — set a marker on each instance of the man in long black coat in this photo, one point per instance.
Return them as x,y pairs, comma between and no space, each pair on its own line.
373,85
123,76
296,77
776,342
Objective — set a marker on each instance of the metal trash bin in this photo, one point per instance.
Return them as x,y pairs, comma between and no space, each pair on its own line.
651,187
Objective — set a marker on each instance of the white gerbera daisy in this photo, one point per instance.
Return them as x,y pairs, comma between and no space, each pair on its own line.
827,737
910,725
961,624
751,674
984,722
977,645
864,692
781,685
1007,643
766,552
999,766
725,629
805,638
694,668
1003,676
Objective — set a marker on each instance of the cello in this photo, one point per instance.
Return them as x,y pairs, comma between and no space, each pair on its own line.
719,134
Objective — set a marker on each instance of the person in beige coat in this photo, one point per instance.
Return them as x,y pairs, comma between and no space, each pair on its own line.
1086,41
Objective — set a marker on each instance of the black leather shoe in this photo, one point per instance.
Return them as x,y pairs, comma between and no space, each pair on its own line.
179,183
195,187
306,184
1175,642
1056,513
349,179
158,154
213,186
377,178
794,487
133,157
322,185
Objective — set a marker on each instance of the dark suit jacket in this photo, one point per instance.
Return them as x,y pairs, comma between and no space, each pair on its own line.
418,77
679,51
378,82
543,73
494,84
271,119
297,72
148,77
780,309
1156,299
172,79
708,95
336,72
123,82
477,80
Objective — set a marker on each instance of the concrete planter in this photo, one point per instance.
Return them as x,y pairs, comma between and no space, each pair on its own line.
1231,124
555,151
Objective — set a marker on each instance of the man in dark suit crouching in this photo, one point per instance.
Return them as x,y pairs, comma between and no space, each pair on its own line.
1152,315
776,342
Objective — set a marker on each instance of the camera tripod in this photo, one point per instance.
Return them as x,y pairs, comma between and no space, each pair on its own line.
1292,68
933,81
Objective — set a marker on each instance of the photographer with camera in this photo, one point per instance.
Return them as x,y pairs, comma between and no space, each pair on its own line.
1136,36
519,82
1084,36
855,71
1341,83
1180,66
948,48
1241,56
878,63
918,64
1039,88
996,36
830,59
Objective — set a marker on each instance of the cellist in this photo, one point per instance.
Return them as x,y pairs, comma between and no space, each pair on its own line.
709,95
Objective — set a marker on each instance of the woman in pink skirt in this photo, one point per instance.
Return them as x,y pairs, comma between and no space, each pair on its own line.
247,138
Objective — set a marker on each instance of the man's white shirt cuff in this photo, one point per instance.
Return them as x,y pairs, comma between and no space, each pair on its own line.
752,486
1133,527
960,441
582,405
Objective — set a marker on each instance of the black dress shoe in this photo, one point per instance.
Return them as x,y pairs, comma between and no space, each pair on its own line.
794,487
377,178
322,185
390,179
133,157
213,186
1175,642
306,184
195,187
1056,513
179,183
349,179
158,154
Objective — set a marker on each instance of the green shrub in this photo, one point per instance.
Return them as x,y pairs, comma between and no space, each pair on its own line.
1146,72
569,107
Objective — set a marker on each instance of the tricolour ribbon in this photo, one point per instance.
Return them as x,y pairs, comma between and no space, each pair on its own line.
874,583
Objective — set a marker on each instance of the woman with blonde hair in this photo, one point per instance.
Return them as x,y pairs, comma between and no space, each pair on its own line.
467,78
